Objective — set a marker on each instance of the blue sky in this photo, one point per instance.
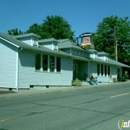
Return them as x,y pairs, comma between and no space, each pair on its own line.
82,15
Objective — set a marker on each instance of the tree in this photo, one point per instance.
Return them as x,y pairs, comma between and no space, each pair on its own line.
53,27
15,31
110,29
35,28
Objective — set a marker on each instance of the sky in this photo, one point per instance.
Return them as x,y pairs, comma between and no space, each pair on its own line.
82,15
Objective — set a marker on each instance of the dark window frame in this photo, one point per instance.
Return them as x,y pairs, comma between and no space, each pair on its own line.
37,61
45,62
58,64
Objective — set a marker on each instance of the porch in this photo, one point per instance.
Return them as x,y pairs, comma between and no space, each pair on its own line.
80,69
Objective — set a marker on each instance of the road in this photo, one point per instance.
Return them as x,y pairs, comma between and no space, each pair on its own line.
98,108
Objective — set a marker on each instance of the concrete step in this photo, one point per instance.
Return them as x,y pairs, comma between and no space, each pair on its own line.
84,83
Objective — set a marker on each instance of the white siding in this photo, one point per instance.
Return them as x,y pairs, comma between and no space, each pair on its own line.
29,40
67,50
93,68
92,56
47,45
103,58
78,53
83,69
26,40
28,76
114,71
8,61
101,78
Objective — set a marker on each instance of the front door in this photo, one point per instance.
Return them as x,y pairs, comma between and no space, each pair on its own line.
75,71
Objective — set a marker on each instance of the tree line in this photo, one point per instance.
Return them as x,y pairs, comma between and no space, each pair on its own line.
109,30
52,27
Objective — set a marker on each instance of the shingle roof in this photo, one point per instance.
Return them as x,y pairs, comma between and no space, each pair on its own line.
80,58
117,63
27,35
47,40
110,61
32,48
59,52
66,43
102,53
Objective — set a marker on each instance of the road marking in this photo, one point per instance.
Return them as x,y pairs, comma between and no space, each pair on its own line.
7,119
119,95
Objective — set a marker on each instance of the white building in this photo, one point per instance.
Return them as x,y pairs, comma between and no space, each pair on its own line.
27,61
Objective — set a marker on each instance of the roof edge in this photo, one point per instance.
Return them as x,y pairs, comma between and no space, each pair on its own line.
27,35
9,42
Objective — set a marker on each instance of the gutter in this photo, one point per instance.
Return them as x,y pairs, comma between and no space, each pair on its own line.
9,42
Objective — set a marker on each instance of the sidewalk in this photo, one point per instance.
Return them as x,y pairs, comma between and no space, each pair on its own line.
5,93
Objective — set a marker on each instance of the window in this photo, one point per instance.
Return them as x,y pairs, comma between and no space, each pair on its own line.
45,63
55,46
105,70
79,53
86,55
108,70
101,69
37,61
52,63
82,53
98,69
75,52
58,64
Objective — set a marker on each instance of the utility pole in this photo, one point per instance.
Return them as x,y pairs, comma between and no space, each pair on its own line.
115,44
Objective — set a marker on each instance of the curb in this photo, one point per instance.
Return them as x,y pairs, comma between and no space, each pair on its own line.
42,90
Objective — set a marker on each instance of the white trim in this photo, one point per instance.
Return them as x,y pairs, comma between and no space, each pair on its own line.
9,42
61,64
31,41
16,78
8,87
41,65
52,46
103,69
48,70
55,60
107,70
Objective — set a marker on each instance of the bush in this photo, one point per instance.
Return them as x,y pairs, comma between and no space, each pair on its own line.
76,82
126,76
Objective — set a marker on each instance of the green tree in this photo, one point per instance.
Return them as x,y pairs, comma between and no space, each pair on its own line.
15,31
35,28
53,27
109,29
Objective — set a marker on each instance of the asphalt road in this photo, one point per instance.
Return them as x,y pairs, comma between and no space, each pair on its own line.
98,108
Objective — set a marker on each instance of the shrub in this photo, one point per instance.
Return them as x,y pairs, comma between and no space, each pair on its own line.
126,76
76,82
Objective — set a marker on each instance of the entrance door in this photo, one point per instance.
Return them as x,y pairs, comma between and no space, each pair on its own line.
75,71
